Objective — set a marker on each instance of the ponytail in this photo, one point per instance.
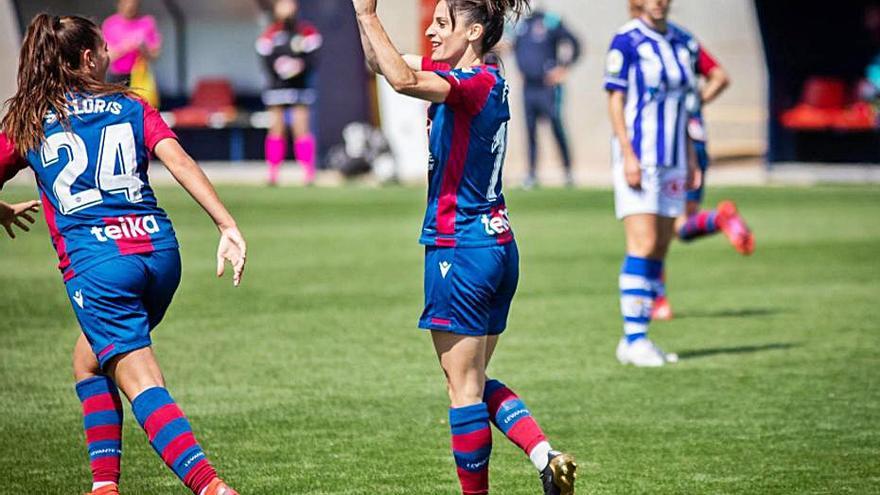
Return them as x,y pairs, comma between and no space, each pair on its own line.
492,14
49,68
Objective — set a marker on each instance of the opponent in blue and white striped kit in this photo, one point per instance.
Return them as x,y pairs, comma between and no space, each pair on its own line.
656,71
650,73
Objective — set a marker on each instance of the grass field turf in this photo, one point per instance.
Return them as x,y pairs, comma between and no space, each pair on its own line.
312,378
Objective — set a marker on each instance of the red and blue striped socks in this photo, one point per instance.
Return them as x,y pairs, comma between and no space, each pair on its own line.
171,436
698,225
102,420
510,415
471,447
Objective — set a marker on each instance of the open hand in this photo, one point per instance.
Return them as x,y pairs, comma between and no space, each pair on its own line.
13,214
233,249
364,7
556,76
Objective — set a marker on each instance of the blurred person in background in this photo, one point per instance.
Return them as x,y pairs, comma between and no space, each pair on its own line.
648,76
131,38
696,223
545,49
288,48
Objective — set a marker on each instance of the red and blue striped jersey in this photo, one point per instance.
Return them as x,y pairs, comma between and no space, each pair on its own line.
467,142
92,179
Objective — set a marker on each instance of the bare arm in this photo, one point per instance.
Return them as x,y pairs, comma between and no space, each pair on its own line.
185,170
402,77
414,62
631,166
716,82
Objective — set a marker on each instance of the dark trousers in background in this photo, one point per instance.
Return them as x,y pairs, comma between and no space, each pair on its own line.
545,102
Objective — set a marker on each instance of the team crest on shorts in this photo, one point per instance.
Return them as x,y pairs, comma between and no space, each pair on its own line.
674,188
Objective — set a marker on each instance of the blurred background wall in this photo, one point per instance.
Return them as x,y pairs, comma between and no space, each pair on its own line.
218,36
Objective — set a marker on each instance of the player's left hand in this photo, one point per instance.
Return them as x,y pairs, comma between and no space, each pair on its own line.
694,178
364,7
13,214
556,76
233,249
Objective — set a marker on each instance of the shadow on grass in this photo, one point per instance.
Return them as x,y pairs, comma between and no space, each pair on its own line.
745,349
730,313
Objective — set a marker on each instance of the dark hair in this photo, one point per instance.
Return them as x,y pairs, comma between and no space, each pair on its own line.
49,69
492,14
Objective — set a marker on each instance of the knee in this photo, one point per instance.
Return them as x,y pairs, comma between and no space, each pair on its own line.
465,392
84,368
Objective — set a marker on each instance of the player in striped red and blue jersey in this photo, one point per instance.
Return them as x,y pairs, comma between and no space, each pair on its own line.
471,258
89,144
649,75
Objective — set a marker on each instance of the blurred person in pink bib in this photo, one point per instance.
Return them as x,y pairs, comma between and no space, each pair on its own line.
130,36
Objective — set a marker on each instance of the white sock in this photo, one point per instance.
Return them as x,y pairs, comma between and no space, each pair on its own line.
539,455
205,489
99,484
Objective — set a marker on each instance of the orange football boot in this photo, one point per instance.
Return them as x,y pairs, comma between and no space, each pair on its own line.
735,228
218,487
106,490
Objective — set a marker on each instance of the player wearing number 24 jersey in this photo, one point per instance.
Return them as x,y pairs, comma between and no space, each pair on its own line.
89,144
93,181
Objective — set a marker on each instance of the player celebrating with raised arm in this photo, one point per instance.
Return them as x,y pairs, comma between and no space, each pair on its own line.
89,143
649,75
471,258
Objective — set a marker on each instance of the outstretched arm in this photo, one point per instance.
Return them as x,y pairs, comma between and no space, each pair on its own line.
382,54
232,246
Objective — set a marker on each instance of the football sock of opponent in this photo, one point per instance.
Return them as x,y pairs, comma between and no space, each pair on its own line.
471,447
510,415
276,148
638,281
171,436
698,225
304,147
102,420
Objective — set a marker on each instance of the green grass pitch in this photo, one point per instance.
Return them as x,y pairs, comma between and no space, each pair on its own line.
311,378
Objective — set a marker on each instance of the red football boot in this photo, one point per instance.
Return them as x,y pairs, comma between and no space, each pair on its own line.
112,489
735,228
662,309
218,487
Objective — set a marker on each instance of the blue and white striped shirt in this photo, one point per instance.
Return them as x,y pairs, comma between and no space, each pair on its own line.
657,72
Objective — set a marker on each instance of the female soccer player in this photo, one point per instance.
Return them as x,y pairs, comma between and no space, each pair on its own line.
649,74
288,48
696,223
89,143
471,258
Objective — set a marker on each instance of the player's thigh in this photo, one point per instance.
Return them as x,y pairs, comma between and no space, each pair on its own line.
276,120
499,306
165,270
460,285
300,124
108,302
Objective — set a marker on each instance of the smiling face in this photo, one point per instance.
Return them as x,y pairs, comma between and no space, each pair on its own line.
448,43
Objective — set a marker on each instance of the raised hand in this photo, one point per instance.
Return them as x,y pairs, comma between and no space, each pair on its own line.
364,7
233,249
13,214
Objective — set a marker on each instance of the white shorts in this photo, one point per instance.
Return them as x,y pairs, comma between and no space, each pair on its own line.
662,193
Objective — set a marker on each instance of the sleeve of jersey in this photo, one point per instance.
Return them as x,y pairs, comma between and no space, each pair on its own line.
617,64
429,65
155,129
469,95
706,63
10,161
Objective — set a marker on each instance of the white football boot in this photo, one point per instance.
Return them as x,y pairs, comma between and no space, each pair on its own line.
643,354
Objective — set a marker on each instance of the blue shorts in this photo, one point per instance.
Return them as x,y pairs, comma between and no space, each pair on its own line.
468,291
119,301
696,195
